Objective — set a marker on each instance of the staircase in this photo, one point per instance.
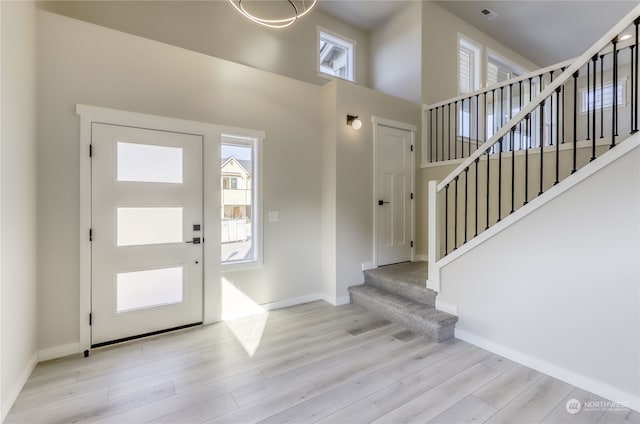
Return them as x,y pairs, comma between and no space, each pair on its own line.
398,293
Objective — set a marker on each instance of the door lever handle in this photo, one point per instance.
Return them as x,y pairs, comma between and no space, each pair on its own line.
196,240
381,202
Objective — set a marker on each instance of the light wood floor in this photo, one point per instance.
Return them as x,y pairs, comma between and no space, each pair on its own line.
304,364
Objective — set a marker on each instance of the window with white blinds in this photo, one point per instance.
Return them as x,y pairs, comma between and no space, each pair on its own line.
468,66
604,97
500,70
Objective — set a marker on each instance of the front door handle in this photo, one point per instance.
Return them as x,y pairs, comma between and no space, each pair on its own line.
381,202
196,240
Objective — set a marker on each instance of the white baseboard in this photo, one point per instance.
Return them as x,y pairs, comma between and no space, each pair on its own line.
59,352
293,301
336,301
10,397
421,258
578,380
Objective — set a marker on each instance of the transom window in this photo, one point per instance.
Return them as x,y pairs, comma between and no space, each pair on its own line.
603,97
335,55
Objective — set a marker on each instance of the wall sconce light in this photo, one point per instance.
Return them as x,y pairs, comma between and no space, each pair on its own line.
354,122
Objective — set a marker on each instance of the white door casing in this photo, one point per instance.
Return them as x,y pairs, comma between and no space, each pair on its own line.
393,191
146,213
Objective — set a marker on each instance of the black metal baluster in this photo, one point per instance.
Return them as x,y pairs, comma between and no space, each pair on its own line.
455,142
499,180
593,108
601,96
513,171
520,123
455,213
477,121
470,123
541,147
486,127
526,160
540,136
462,123
493,116
442,132
488,176
466,196
449,130
634,95
430,135
446,219
551,114
436,144
477,161
588,105
633,112
557,136
563,108
614,112
575,121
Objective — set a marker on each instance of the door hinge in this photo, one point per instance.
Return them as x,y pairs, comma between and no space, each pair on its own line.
90,150
411,196
412,147
411,243
90,319
90,234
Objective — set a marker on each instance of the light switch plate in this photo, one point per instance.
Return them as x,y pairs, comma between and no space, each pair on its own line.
274,216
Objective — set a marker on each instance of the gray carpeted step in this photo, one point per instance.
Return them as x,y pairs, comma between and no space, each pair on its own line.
407,280
416,316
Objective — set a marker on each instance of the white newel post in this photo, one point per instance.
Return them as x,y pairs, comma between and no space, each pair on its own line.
433,278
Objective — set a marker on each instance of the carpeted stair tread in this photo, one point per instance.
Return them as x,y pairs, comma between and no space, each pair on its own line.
416,316
407,280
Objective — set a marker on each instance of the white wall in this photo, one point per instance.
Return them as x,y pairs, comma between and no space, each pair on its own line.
440,30
396,54
18,199
559,290
354,174
83,63
216,29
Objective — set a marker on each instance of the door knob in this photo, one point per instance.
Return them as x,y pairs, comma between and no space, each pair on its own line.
381,202
196,240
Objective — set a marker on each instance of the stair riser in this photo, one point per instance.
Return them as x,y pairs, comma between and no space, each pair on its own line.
439,334
405,290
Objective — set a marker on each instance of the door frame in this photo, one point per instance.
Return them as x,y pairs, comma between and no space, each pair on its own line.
383,122
211,135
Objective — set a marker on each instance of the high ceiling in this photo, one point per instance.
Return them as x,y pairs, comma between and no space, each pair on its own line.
544,31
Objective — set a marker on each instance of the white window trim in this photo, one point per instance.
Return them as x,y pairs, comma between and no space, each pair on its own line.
622,102
479,60
256,207
338,39
492,55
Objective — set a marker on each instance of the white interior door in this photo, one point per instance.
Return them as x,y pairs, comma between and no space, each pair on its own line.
147,249
394,198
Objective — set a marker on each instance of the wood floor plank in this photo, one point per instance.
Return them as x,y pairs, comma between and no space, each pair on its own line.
362,412
308,363
585,416
535,403
414,385
432,403
329,402
468,410
507,386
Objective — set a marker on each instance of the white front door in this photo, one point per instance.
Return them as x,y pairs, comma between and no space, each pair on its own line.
393,194
147,249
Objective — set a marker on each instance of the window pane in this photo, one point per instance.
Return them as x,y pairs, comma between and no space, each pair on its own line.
145,289
138,226
336,56
237,202
148,163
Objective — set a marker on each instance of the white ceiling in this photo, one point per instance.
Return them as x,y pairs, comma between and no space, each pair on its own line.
544,31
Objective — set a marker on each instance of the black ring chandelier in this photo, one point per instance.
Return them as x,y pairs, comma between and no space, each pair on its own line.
297,11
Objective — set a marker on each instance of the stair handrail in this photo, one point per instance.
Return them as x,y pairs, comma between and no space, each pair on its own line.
596,48
515,80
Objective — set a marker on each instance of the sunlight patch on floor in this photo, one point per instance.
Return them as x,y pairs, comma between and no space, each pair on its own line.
244,317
